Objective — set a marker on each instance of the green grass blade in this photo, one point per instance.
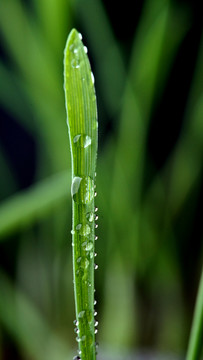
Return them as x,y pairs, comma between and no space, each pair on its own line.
82,123
196,337
30,330
25,207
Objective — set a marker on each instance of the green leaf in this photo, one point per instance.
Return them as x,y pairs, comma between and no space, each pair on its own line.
82,123
81,106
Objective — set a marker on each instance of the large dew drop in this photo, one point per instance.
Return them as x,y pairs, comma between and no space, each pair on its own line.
83,230
82,189
82,140
89,246
81,314
90,216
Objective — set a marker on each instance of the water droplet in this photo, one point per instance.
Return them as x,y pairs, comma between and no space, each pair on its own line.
95,254
95,302
71,47
72,232
84,230
81,314
96,266
84,244
75,63
95,313
82,189
87,141
83,338
96,331
82,140
85,49
78,227
79,259
76,357
96,209
96,226
96,323
78,339
95,194
91,255
80,36
92,77
76,330
86,263
90,216
75,50
89,246
75,322
96,237
96,217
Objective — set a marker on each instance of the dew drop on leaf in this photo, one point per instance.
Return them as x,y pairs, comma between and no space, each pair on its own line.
89,246
90,216
82,140
92,77
82,189
84,230
81,314
75,63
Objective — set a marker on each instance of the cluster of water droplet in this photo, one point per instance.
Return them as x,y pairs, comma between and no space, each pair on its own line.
75,62
83,263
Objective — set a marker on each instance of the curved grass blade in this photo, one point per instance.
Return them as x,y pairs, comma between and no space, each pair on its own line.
82,124
195,346
28,206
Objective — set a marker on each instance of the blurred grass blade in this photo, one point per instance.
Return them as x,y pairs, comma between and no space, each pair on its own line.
55,17
27,326
82,123
196,337
109,64
32,204
150,46
40,74
188,153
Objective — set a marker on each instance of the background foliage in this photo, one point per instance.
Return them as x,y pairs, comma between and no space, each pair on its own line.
147,60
